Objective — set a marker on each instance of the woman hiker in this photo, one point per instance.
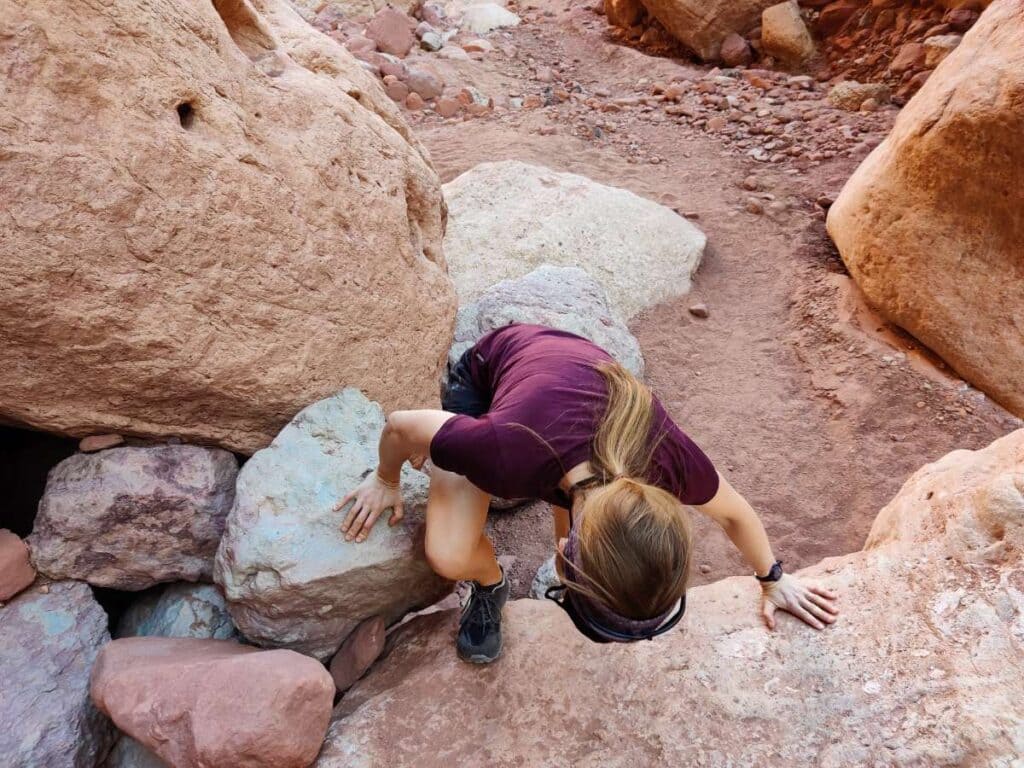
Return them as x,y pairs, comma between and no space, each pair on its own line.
531,412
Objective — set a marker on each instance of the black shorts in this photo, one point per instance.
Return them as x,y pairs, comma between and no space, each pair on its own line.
460,395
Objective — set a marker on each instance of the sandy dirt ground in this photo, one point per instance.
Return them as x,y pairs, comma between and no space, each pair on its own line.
812,406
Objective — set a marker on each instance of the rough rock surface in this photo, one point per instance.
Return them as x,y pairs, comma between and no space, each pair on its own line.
623,13
921,669
546,576
198,703
784,34
357,653
392,31
565,298
130,518
16,572
179,610
235,214
702,25
508,218
49,638
315,11
289,576
849,94
931,224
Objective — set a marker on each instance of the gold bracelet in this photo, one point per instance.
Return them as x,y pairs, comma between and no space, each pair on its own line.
394,486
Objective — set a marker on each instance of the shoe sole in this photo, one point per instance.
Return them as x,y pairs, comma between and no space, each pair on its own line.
479,658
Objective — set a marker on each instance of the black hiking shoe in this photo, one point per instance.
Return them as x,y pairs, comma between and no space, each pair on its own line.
479,639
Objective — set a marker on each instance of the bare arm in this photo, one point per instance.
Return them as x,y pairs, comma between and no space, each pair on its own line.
812,603
742,525
406,435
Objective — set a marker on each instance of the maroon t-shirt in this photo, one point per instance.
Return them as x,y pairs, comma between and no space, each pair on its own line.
547,400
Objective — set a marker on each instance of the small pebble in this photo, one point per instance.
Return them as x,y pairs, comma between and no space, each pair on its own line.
699,310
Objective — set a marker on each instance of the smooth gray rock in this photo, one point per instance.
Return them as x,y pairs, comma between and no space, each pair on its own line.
128,753
48,642
566,298
179,610
129,518
507,218
290,578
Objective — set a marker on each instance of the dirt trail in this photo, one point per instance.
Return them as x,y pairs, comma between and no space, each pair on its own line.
814,409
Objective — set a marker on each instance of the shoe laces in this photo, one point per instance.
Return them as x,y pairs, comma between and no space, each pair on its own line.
480,609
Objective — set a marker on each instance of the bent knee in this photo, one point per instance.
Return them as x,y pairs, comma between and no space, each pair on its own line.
451,562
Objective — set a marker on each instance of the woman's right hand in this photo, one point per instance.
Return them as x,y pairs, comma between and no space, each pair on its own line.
369,501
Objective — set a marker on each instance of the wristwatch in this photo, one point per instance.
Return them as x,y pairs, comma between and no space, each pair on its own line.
773,575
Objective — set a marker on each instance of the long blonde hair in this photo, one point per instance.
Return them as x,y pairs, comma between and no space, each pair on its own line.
634,538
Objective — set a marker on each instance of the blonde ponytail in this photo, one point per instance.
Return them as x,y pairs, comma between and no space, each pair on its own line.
634,538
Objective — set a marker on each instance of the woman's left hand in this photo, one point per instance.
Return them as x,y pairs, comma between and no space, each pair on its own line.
812,603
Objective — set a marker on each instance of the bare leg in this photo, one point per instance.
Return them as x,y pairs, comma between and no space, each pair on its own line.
456,546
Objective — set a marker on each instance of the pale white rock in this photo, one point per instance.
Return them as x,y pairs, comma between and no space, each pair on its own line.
566,298
487,17
290,578
546,577
130,517
507,218
892,683
48,642
938,47
179,610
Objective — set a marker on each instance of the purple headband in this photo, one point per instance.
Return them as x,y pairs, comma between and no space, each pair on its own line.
596,612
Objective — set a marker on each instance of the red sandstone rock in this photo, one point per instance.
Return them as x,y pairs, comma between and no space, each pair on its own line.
448,107
623,13
99,443
172,243
835,15
736,50
16,572
392,31
425,82
910,57
397,91
357,653
701,25
198,703
960,19
359,43
930,225
922,667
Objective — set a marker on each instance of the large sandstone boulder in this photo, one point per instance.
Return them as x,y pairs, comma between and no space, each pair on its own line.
198,703
922,668
290,578
49,638
931,224
213,216
179,610
565,298
130,518
702,25
508,218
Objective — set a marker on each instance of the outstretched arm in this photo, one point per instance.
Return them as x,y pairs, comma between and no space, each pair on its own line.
809,602
406,435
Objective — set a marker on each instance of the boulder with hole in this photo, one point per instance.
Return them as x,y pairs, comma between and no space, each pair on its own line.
290,578
508,218
931,223
213,217
197,703
132,517
49,638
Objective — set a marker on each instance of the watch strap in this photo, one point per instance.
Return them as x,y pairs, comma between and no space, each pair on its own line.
774,574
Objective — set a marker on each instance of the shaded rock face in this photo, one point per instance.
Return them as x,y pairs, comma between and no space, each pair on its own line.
565,298
16,572
508,218
48,642
931,224
702,25
198,703
923,667
358,653
130,518
237,218
128,753
179,610
290,578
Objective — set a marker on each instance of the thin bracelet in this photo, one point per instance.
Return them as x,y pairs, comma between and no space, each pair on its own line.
394,486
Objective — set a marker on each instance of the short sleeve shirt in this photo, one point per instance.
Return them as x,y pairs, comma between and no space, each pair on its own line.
547,400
